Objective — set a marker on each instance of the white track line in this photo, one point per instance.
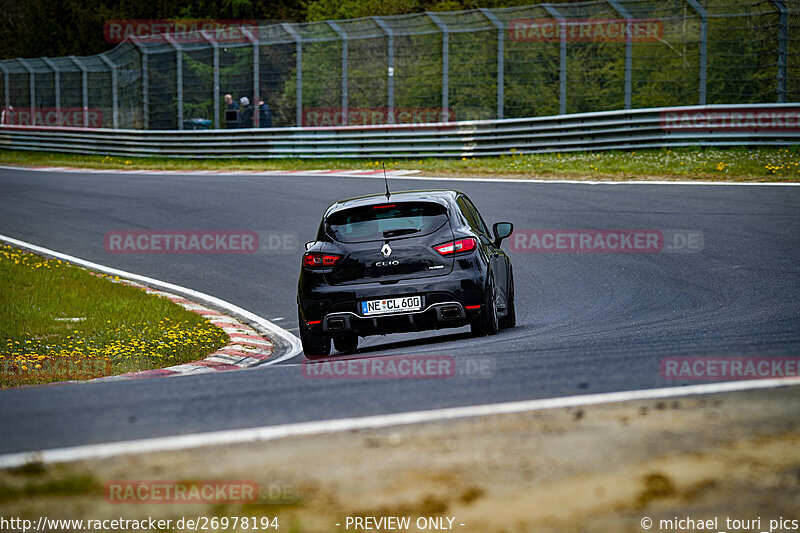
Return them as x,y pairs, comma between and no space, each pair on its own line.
591,182
356,174
574,182
267,433
290,343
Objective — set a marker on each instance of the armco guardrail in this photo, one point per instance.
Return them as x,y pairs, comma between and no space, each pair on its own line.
717,125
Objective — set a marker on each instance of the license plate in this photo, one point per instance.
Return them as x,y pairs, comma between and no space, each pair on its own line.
391,305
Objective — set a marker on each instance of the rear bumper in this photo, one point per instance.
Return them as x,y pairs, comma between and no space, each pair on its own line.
434,316
447,302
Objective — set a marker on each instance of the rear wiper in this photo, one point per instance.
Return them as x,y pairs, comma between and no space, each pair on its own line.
398,232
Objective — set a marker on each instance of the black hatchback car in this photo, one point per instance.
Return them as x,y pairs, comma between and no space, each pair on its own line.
412,261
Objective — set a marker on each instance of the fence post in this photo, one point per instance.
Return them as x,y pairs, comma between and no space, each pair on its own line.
562,58
701,11
445,65
256,65
390,64
501,34
628,48
298,39
31,87
343,36
215,47
114,91
85,88
145,81
178,75
783,38
6,85
57,86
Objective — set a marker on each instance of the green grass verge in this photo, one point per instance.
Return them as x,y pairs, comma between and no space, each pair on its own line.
60,322
67,486
36,480
717,164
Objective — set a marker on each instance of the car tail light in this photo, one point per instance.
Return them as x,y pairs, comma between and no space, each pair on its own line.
320,260
461,246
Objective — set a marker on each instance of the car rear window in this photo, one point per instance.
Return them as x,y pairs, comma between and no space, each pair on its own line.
386,221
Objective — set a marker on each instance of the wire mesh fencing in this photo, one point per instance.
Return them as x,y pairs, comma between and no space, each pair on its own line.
538,60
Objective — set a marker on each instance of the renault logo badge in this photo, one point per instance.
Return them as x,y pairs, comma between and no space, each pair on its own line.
386,251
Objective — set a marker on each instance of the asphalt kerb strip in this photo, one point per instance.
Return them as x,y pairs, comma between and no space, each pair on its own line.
353,173
392,173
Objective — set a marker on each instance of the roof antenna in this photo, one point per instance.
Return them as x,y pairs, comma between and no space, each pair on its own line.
386,180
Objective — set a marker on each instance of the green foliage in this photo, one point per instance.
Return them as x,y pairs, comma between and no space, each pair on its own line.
318,10
33,28
342,9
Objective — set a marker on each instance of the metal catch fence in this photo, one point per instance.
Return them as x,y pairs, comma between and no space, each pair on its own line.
483,64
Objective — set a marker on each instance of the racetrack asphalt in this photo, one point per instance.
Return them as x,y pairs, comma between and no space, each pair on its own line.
587,322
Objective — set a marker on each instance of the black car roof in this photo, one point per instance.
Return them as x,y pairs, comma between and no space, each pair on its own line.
437,195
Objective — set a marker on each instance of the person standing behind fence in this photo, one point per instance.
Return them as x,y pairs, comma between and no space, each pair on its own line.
264,114
231,112
245,113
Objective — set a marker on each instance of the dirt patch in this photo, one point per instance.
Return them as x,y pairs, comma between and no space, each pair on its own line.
596,468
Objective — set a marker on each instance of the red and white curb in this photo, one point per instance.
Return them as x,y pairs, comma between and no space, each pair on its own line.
255,341
247,348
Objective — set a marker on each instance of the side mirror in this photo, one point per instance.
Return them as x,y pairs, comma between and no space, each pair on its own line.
501,230
309,245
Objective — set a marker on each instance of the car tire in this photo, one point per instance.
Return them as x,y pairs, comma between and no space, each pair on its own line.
346,343
486,322
510,320
314,344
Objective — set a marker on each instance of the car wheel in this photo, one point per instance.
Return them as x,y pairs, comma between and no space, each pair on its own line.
314,344
510,320
486,323
345,343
